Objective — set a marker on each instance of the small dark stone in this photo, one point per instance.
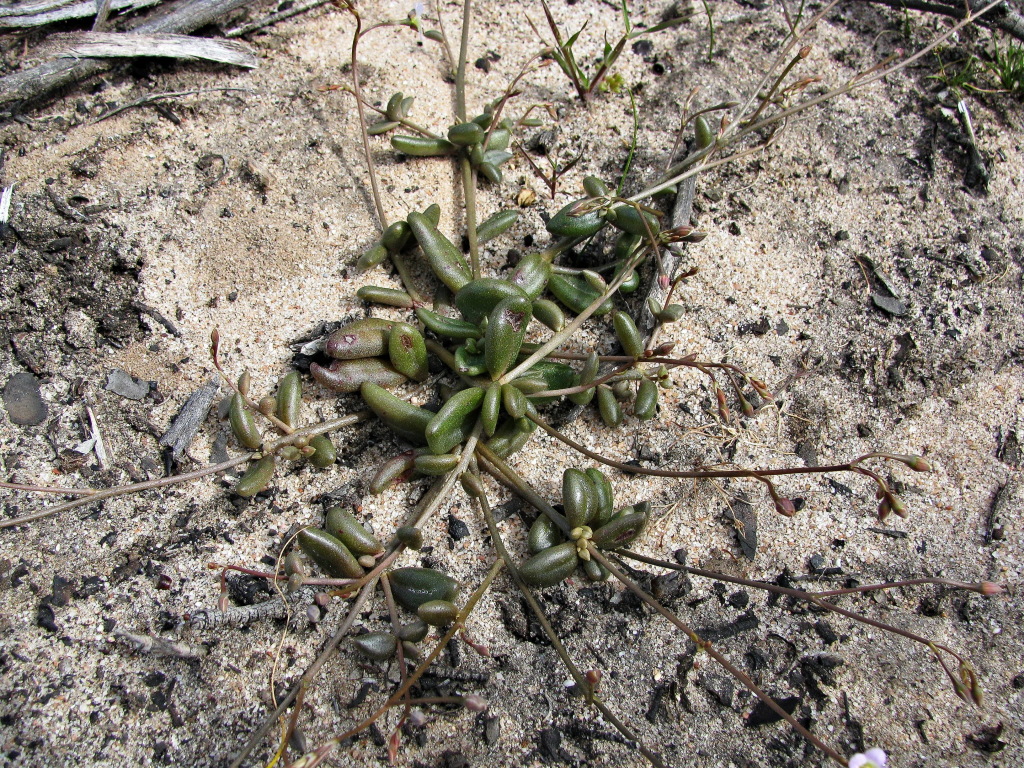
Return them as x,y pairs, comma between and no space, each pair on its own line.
782,327
758,328
121,383
492,730
889,305
762,714
739,599
457,529
842,235
63,591
45,617
551,745
23,400
482,64
806,451
825,632
643,47
865,430
817,564
719,686
1018,681
745,523
734,228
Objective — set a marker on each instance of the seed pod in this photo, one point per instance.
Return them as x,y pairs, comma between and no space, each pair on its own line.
256,478
343,526
703,133
547,568
646,405
378,646
628,334
381,126
289,398
373,256
608,406
421,146
410,536
544,534
623,529
496,225
447,326
491,409
564,225
549,313
329,553
244,381
325,454
576,294
478,298
578,497
435,466
587,375
469,363
447,428
490,171
603,495
514,401
389,296
405,419
531,274
396,236
446,261
506,331
412,587
595,187
594,571
438,613
629,219
414,631
394,108
511,437
466,134
347,376
408,352
361,338
243,424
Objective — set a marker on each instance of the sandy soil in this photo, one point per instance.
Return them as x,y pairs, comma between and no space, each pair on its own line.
247,215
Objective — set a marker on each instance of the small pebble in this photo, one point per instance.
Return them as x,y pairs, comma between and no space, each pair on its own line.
23,400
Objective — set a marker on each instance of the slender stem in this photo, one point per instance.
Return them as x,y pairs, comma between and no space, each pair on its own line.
704,645
556,642
48,489
371,170
162,482
307,676
460,70
469,192
520,486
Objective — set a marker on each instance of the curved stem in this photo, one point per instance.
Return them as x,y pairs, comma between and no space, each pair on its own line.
460,70
705,646
371,170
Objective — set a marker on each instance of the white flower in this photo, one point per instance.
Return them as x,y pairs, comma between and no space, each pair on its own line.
873,758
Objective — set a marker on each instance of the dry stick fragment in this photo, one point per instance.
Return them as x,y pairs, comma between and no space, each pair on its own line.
118,45
1003,16
40,14
154,100
102,13
183,17
273,18
243,615
160,646
187,422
